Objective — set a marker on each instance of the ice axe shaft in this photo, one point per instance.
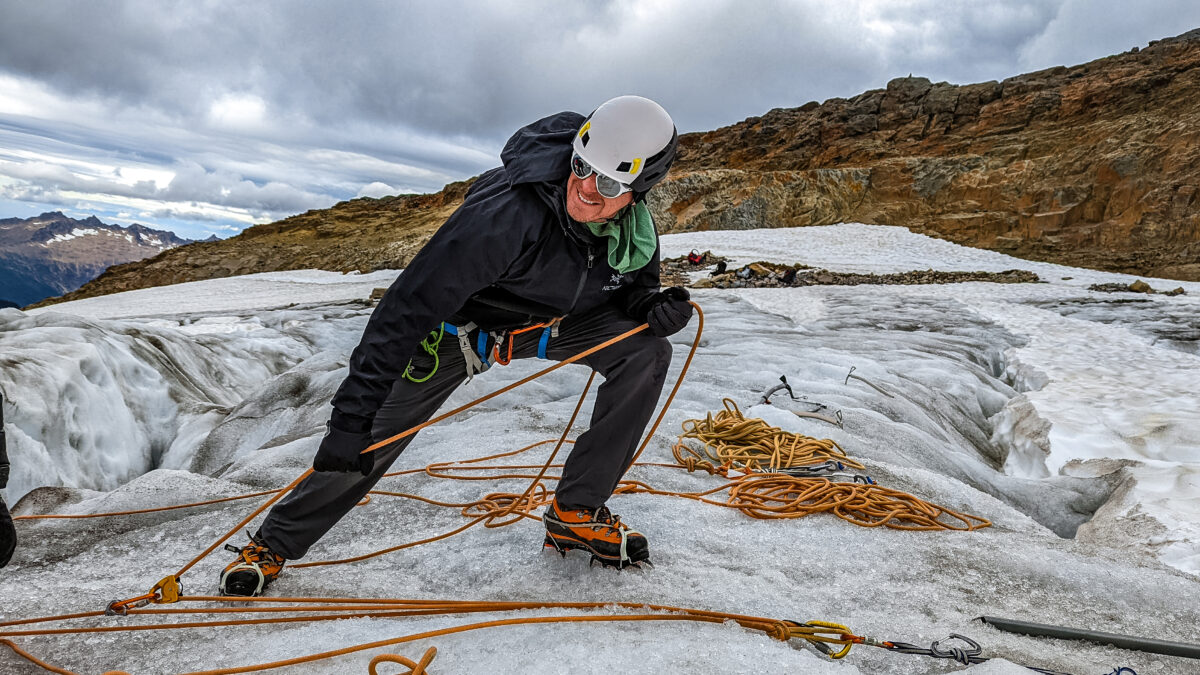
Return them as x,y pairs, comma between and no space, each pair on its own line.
1148,645
8,533
3,448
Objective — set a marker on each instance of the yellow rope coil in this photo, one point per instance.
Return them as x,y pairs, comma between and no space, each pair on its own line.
729,440
760,451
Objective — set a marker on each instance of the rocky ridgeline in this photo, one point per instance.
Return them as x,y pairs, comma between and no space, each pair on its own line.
357,235
52,253
1095,165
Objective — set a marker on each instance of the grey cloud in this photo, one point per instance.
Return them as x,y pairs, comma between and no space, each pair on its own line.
413,95
185,214
33,193
192,183
1106,28
479,69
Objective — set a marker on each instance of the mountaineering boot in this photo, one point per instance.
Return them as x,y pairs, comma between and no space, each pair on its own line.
597,531
255,567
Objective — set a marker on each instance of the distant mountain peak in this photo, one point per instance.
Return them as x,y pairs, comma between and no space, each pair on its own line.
52,253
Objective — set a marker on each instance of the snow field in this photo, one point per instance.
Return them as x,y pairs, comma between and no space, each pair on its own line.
958,359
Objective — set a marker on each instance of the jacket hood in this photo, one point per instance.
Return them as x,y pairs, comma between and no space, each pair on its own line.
539,155
541,152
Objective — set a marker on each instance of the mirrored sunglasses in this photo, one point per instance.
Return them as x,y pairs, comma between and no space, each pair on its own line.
607,187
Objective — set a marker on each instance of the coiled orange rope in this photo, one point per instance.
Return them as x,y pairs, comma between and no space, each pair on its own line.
752,453
730,440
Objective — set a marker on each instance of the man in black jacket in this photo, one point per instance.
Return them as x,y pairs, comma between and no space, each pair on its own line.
559,235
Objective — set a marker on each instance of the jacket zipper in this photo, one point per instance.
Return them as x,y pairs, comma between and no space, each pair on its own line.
582,279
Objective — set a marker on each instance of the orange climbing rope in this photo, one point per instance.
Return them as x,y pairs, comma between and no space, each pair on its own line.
414,667
815,632
753,455
157,509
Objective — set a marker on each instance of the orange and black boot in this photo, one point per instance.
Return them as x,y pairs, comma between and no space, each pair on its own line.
255,567
596,531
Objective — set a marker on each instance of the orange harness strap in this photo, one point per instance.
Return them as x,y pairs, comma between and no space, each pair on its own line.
508,338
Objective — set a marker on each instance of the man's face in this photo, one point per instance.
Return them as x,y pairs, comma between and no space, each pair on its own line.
586,205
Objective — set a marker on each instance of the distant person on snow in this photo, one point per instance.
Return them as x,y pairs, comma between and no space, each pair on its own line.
557,241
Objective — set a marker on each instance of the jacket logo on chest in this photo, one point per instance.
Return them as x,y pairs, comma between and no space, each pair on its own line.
614,283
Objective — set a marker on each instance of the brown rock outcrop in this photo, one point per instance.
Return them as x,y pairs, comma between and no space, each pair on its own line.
1097,165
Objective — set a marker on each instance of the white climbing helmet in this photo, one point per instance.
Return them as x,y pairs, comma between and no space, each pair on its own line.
631,140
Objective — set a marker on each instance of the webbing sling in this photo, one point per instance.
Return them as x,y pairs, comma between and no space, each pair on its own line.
474,362
549,332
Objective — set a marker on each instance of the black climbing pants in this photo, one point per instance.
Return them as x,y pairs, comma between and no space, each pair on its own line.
634,370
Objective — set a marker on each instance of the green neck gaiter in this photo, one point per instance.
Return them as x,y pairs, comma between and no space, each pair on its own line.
631,238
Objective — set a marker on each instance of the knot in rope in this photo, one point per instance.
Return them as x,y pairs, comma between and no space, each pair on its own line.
503,508
414,667
780,630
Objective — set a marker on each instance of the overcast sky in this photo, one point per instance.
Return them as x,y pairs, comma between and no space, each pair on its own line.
204,117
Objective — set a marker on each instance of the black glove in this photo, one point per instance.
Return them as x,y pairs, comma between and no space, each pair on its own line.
670,312
8,535
343,451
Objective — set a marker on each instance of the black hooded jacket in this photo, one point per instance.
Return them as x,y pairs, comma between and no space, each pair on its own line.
510,256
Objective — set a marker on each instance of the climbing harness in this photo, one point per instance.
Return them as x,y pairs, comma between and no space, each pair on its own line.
476,356
549,330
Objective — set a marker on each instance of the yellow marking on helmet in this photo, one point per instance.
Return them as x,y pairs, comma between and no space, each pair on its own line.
584,129
637,164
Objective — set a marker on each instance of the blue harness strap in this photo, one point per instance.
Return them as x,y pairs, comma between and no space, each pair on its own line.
544,342
481,347
480,343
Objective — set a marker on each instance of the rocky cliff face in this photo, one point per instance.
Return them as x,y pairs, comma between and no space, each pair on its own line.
1096,165
51,254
